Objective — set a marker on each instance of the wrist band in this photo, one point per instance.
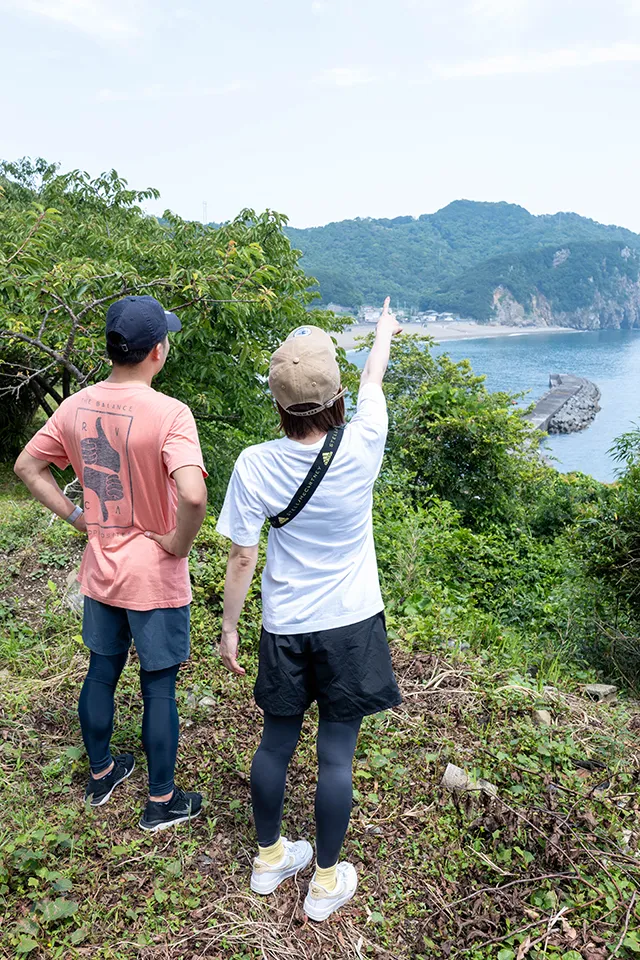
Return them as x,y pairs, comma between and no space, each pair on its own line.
74,515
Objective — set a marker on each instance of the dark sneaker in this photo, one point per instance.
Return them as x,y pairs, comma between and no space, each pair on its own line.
100,789
183,806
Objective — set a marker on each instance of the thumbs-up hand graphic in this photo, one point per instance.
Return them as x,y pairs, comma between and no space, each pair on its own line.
107,485
98,451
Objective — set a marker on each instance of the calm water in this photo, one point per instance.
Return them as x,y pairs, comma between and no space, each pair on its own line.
611,358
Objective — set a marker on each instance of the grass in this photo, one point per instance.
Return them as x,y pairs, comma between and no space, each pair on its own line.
548,868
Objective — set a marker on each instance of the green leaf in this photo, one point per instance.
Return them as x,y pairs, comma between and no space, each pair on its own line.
62,885
26,945
376,917
74,753
59,909
506,954
160,895
79,935
234,805
631,942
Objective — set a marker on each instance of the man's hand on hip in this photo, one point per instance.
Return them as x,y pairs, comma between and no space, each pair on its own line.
170,543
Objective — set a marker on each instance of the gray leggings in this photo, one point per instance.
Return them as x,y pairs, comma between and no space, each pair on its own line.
336,745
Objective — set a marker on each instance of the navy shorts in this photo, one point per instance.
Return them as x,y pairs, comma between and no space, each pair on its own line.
347,670
161,636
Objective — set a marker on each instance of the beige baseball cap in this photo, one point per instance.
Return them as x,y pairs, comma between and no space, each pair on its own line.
304,370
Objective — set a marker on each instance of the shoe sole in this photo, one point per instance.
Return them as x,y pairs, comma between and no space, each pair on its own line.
104,800
167,823
319,915
264,891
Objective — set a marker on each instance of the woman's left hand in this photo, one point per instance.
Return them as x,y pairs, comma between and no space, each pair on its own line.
229,651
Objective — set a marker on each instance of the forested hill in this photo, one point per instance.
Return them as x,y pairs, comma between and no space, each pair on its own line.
481,260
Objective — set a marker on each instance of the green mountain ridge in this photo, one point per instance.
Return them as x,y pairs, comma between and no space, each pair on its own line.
482,260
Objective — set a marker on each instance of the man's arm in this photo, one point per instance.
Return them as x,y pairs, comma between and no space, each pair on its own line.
37,476
240,569
378,360
192,507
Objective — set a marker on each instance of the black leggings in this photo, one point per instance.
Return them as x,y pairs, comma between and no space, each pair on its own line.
336,746
160,726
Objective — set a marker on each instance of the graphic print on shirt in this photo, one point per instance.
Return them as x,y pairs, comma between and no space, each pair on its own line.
106,477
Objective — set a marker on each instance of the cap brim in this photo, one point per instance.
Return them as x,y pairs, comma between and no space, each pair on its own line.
173,324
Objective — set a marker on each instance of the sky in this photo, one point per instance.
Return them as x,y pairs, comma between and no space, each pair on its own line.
331,109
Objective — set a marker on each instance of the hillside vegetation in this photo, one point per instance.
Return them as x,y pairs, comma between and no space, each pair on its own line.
455,259
509,588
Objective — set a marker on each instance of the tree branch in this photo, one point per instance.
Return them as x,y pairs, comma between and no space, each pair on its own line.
48,388
54,354
48,409
20,381
249,276
33,230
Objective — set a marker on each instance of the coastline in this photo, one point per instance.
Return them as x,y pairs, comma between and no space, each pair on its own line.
455,330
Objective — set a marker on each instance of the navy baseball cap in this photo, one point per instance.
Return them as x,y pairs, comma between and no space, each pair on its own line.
140,323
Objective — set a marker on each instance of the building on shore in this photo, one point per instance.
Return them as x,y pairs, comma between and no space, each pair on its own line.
369,314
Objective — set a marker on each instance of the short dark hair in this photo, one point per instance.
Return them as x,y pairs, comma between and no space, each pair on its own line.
300,427
121,357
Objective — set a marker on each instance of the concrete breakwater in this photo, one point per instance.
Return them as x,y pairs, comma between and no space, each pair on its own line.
570,405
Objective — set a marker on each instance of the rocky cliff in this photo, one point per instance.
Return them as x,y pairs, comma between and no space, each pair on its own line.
619,309
608,301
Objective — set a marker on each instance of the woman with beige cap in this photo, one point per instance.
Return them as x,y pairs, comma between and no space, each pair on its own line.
323,635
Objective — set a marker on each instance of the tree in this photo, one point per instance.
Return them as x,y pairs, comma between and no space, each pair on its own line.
460,442
71,245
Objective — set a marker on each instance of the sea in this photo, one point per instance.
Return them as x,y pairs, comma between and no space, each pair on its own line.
521,362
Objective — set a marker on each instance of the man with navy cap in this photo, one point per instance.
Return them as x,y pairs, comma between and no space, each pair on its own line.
137,454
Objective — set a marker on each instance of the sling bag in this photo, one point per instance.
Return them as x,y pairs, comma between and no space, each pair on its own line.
312,480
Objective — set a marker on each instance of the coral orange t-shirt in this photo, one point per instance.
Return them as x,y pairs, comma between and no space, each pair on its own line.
124,440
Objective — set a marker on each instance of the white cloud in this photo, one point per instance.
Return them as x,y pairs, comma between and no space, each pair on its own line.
498,9
108,95
318,7
159,91
100,18
346,76
541,62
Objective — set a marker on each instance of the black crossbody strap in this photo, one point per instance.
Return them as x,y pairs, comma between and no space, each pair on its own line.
312,480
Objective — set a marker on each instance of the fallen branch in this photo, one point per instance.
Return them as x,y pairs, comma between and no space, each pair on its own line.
512,883
626,922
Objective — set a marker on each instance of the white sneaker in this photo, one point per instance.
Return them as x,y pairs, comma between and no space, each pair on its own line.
297,855
320,903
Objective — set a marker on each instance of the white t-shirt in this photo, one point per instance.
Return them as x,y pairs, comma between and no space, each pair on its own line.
321,569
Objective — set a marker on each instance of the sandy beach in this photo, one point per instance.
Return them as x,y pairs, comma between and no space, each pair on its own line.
455,330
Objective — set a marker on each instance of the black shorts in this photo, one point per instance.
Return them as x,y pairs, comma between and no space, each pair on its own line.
347,670
161,635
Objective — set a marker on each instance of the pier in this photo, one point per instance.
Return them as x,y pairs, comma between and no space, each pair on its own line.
570,404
